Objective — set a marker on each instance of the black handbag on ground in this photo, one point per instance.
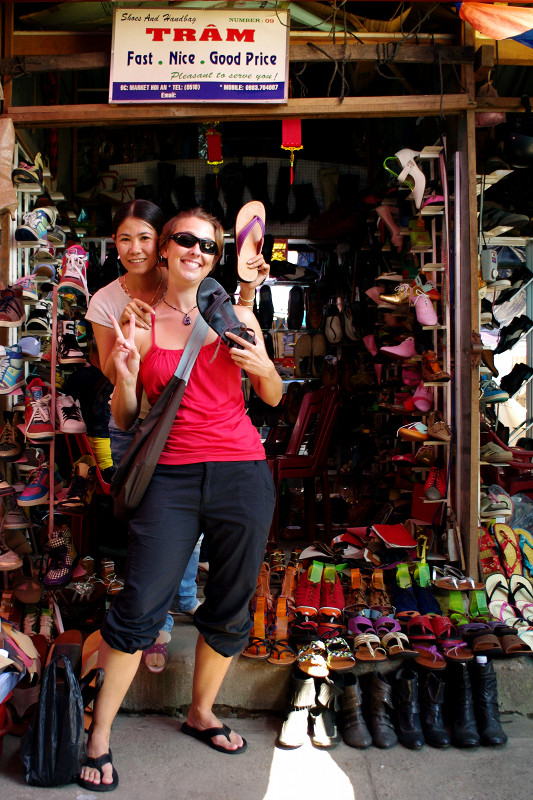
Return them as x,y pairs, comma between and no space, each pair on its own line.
136,468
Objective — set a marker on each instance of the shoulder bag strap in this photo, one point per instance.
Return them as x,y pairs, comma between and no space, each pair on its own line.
192,348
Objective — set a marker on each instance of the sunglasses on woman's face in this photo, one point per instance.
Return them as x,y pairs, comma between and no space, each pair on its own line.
207,246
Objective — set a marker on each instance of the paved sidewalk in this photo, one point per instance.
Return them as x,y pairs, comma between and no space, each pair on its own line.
156,762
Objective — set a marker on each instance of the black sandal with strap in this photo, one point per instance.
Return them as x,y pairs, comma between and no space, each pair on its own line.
215,306
98,763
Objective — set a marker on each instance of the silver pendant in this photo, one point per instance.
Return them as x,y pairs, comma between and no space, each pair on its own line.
186,320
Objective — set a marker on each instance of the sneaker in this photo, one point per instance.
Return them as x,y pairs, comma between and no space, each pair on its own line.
57,236
415,432
12,313
68,349
306,603
424,309
5,488
425,455
8,559
46,252
520,279
11,370
435,485
58,569
30,346
494,454
38,418
490,392
46,624
512,333
331,604
30,622
81,489
75,261
40,319
11,444
14,518
35,224
37,490
405,349
494,217
44,272
29,288
69,415
29,174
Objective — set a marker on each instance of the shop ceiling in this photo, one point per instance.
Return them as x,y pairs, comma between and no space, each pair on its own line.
390,37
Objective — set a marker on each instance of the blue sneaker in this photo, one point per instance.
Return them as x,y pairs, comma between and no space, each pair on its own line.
11,370
490,392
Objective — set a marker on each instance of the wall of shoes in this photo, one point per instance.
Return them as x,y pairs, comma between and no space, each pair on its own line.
45,487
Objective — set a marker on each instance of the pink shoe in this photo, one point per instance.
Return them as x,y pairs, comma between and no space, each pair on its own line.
411,376
374,293
423,398
385,214
425,313
370,344
405,349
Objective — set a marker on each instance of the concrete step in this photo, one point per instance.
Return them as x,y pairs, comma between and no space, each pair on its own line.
254,686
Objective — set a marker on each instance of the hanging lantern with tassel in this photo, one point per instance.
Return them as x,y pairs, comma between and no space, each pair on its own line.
214,148
291,137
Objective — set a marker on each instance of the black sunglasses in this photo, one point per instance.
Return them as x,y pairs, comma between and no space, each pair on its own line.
207,246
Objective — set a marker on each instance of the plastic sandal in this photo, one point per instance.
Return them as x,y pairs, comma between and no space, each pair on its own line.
385,625
511,557
249,235
420,627
455,650
312,659
359,626
340,657
453,578
488,553
429,657
521,592
478,604
456,606
403,577
364,649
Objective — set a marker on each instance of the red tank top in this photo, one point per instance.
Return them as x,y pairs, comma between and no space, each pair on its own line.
211,423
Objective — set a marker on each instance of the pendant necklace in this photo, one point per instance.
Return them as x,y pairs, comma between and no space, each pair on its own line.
151,303
186,319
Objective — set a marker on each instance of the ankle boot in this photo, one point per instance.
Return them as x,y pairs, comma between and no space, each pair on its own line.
265,312
486,704
257,182
353,726
464,728
408,723
301,698
381,710
306,204
166,174
183,193
431,702
323,715
211,202
281,197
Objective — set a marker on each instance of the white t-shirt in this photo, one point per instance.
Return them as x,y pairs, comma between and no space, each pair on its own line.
110,299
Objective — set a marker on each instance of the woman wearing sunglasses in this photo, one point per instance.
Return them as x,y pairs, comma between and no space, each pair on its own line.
212,477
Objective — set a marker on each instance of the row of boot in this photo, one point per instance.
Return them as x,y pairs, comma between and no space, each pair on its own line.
408,708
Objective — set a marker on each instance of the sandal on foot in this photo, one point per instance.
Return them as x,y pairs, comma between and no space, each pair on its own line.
98,763
215,306
208,734
249,235
156,657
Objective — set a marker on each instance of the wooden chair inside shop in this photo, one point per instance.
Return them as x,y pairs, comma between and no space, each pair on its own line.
306,456
79,532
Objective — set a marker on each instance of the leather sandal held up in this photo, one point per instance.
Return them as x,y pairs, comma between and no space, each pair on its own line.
215,306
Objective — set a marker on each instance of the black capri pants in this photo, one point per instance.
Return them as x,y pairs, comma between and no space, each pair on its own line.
232,503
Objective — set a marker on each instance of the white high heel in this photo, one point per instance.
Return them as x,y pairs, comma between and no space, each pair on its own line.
406,157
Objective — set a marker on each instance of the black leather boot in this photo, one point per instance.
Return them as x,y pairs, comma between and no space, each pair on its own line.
459,691
257,182
408,725
353,726
431,702
301,698
486,704
323,715
381,709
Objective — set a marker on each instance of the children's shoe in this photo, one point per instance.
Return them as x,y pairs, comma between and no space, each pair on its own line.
415,432
37,491
435,485
11,370
68,349
69,415
30,346
29,174
35,224
37,416
46,624
12,313
81,488
14,518
431,369
75,261
425,455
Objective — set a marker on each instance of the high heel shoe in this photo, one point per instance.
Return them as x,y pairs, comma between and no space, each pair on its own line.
406,157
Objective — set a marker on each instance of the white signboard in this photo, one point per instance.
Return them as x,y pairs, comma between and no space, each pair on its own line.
199,55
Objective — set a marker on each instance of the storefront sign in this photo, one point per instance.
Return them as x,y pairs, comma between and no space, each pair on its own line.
198,55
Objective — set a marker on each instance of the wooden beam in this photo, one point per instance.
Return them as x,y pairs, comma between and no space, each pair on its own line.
305,108
484,62
60,63
510,53
509,105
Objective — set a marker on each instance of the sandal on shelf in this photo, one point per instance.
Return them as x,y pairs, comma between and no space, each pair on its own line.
513,645
404,618
455,650
249,235
215,306
356,595
403,576
521,592
281,651
453,578
384,625
379,597
312,659
497,590
511,557
488,553
456,607
259,645
420,628
358,626
365,649
486,644
395,645
429,657
340,657
478,605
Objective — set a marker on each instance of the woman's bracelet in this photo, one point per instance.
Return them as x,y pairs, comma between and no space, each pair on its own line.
246,303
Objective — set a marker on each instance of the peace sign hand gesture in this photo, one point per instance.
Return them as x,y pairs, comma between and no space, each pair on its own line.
125,353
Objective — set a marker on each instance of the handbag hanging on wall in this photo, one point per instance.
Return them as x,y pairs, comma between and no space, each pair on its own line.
135,470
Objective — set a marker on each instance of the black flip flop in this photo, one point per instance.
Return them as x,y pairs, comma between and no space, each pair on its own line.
215,306
207,736
98,763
